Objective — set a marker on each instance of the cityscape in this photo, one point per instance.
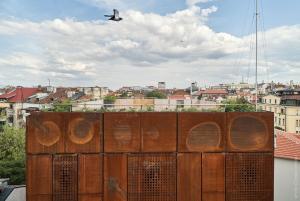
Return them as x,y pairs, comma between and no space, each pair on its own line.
161,100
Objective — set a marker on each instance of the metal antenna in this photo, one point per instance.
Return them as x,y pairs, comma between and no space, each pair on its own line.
256,56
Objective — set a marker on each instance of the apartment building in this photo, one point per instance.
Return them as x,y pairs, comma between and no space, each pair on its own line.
286,110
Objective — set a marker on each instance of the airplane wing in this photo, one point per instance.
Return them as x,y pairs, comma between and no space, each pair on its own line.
108,15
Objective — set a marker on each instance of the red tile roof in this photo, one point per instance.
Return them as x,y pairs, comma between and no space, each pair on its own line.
213,91
180,97
20,94
288,146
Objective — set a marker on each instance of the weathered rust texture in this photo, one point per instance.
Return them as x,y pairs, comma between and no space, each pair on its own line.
90,197
65,178
39,176
249,176
159,132
250,132
90,175
152,177
201,132
44,133
213,177
83,132
189,177
218,156
122,132
115,177
39,197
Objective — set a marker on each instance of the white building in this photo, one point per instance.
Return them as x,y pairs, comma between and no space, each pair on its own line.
287,167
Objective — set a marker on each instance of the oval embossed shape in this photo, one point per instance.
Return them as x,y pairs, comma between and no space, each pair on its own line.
204,136
248,133
48,133
81,131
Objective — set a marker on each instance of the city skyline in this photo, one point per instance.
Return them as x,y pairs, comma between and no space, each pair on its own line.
70,43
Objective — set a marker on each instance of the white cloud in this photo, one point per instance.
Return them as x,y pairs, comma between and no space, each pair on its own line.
138,50
194,2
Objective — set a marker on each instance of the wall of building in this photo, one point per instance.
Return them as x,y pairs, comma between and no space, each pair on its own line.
285,117
287,180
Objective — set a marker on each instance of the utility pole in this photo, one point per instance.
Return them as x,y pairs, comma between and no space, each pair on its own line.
256,55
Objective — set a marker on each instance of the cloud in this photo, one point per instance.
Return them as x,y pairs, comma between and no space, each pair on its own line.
194,2
142,48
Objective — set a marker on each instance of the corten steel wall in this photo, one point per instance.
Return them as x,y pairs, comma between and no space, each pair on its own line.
150,157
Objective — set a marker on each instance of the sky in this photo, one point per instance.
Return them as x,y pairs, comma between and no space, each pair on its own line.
70,43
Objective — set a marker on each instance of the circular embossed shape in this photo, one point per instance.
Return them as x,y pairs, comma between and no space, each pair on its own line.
122,134
204,136
248,133
81,131
48,133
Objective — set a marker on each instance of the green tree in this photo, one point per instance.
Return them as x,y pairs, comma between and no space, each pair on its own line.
124,95
156,94
109,99
238,105
65,106
12,154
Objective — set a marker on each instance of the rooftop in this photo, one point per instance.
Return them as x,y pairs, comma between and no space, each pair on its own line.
19,94
287,146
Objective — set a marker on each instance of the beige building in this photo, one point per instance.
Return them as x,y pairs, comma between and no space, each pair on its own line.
286,116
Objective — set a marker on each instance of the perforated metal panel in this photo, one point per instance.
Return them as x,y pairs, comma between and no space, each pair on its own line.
249,177
250,132
65,178
152,177
201,132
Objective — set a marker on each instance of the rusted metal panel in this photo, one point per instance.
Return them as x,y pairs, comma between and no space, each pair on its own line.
152,177
65,178
250,132
249,176
189,177
122,132
90,197
159,132
201,132
213,177
115,177
39,198
44,133
39,175
90,174
84,132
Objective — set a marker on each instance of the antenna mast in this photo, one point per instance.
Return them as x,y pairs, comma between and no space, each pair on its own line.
256,54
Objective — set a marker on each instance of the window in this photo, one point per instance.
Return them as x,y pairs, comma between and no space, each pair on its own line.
270,101
283,122
276,110
180,103
275,101
279,121
275,120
